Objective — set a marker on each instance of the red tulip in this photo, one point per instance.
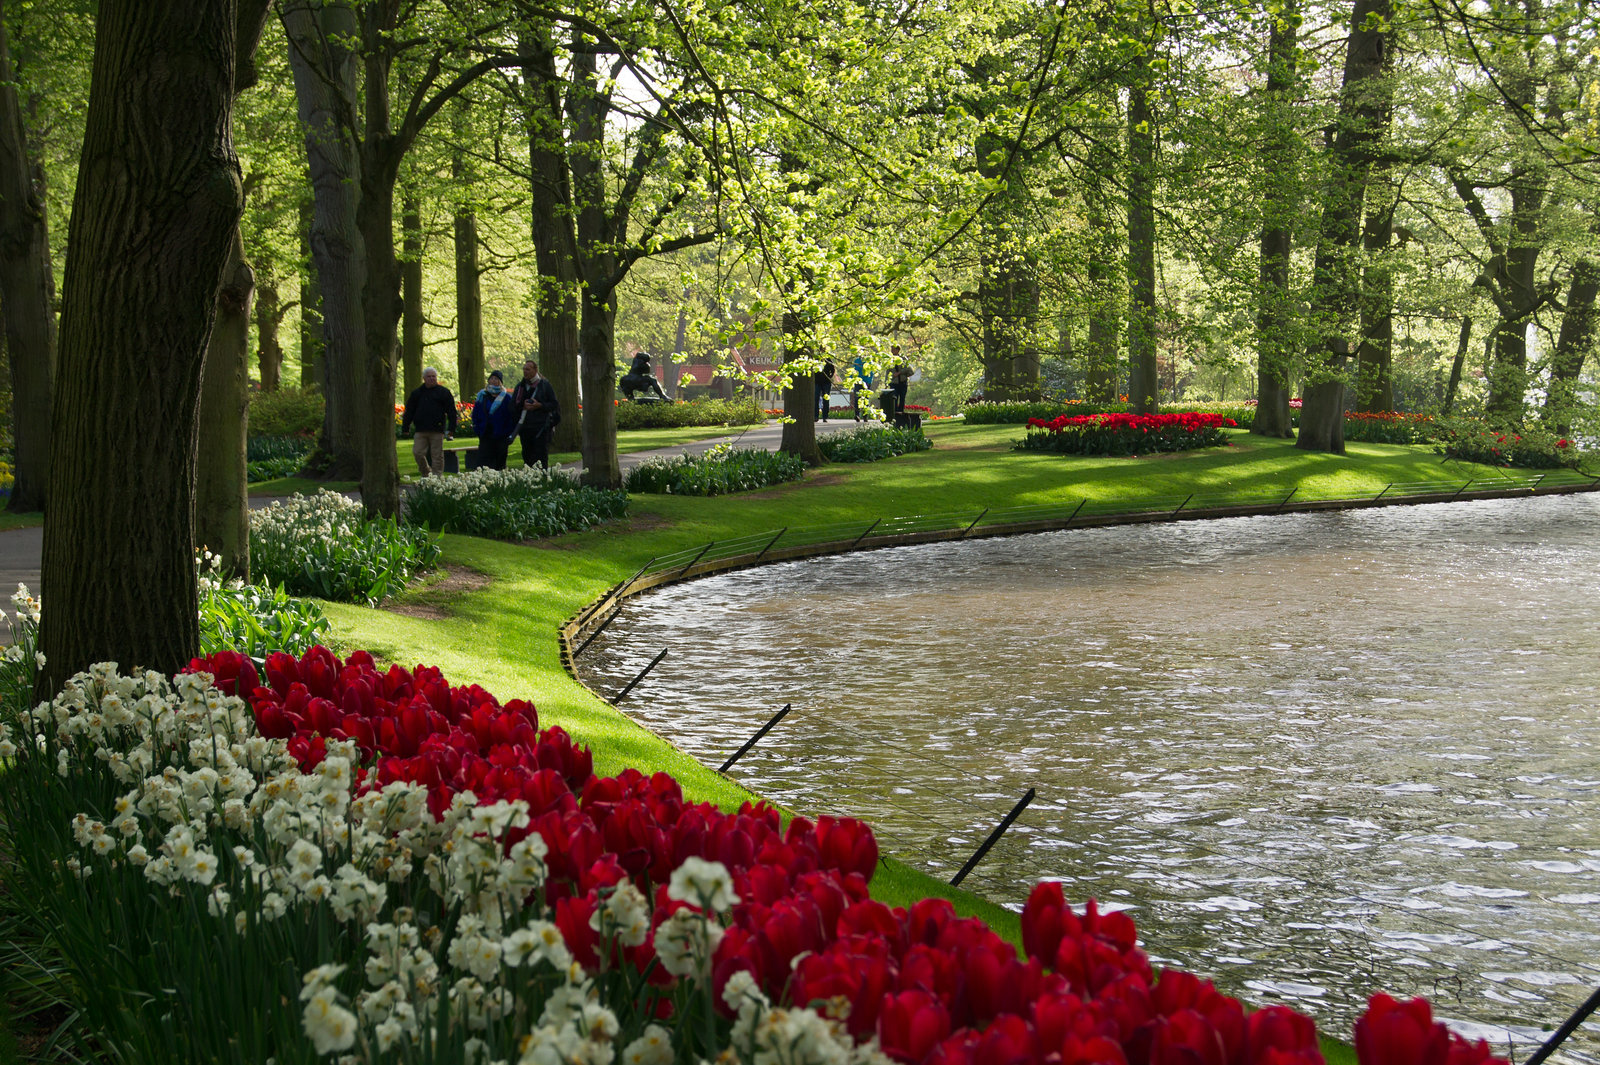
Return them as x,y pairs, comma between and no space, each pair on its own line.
1400,1033
911,1025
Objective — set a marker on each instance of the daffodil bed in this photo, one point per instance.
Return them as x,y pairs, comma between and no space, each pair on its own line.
321,859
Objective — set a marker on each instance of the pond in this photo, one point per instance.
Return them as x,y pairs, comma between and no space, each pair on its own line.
1315,756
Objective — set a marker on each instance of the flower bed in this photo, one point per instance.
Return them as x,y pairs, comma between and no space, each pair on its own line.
694,412
519,504
1477,441
718,471
1388,427
1126,434
870,443
325,545
325,858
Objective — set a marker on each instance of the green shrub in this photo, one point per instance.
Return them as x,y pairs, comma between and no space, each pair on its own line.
265,448
324,545
694,412
871,443
287,412
1018,413
717,472
272,469
1473,440
516,505
256,621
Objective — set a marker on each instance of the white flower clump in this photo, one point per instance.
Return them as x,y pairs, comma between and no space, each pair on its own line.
325,516
483,483
763,1035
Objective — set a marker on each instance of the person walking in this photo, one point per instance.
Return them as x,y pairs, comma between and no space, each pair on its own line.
899,384
432,409
863,381
494,419
824,383
538,414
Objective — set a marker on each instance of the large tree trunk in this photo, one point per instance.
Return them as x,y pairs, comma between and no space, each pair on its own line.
598,339
222,505
1008,305
1573,345
325,77
27,292
554,242
469,295
1457,365
1102,359
158,198
1276,343
799,436
1144,389
1520,298
310,305
1374,356
411,292
1364,107
269,349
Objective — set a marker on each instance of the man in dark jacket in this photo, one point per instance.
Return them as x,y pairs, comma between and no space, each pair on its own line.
535,397
432,409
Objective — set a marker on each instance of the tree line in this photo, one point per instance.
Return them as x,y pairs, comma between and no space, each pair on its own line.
1333,199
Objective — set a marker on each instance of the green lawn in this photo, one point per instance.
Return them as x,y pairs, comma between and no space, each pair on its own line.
627,443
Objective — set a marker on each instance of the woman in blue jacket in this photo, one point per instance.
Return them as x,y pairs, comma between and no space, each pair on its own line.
494,419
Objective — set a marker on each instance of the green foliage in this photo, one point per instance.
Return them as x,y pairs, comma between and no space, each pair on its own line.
519,504
325,545
271,469
717,472
1473,440
871,443
264,448
258,621
1389,427
1018,413
287,412
694,412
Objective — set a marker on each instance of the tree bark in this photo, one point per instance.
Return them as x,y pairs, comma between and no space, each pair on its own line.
411,291
1573,345
1364,107
799,436
269,349
469,295
158,198
1275,314
325,77
222,505
598,341
310,305
1374,356
554,241
27,291
1457,365
1144,389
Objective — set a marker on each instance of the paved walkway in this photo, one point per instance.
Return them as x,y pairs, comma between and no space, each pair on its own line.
20,549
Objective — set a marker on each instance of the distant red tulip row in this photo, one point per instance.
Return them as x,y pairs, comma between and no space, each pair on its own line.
1120,433
929,985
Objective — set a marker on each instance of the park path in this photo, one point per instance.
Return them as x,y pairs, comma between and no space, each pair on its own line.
21,549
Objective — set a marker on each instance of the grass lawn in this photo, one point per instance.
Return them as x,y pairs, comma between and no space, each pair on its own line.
627,443
25,520
503,635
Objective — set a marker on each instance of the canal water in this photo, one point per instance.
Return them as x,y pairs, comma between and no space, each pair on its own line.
1315,756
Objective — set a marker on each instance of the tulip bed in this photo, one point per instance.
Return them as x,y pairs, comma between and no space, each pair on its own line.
416,872
1126,434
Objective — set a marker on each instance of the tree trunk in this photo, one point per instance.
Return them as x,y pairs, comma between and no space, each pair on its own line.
1144,389
554,242
222,505
269,349
310,305
157,202
1364,107
669,368
1573,345
469,296
1520,298
598,341
1008,304
1457,365
799,435
1102,359
27,292
1374,357
1275,330
411,292
325,86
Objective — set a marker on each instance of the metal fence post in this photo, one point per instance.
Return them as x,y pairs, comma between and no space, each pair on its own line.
868,529
974,524
753,740
994,837
770,542
623,694
1183,504
585,644
1288,497
696,558
1075,510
